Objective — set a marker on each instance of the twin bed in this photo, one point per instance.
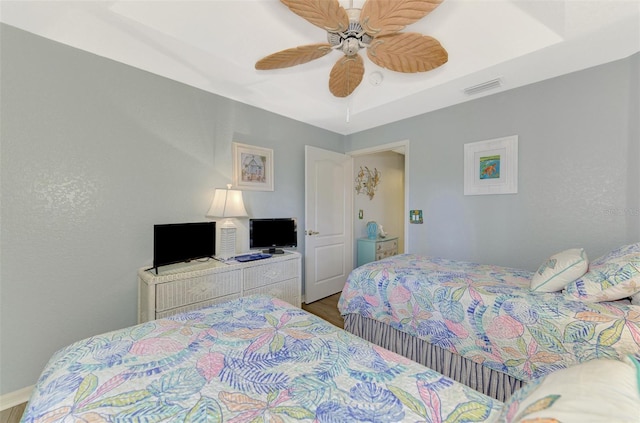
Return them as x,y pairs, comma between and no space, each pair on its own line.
255,359
259,359
487,326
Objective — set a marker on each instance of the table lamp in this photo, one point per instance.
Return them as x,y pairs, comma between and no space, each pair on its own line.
227,204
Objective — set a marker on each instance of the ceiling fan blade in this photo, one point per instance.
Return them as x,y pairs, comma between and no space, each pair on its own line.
407,52
382,17
346,75
326,14
293,56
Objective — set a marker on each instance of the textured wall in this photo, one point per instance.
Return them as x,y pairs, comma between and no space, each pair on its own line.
578,172
93,154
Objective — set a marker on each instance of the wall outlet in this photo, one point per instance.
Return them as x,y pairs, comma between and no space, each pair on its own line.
360,214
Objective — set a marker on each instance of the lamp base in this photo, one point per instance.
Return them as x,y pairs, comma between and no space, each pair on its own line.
227,242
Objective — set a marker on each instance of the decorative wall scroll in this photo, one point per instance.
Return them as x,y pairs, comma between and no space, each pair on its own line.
367,181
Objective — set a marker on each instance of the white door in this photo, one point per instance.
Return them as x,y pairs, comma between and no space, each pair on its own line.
328,252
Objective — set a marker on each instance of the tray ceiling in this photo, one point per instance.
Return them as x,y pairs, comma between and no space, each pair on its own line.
214,44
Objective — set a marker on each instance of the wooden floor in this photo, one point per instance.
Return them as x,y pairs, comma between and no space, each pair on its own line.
326,308
12,415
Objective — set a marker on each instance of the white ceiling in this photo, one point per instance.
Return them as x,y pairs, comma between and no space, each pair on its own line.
214,44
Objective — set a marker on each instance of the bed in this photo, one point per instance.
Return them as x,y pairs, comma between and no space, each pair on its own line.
255,359
489,327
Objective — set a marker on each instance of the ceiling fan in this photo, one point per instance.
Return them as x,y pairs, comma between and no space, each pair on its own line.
375,27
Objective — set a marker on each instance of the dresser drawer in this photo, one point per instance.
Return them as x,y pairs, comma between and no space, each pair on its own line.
386,249
196,306
269,273
391,245
384,254
286,291
192,290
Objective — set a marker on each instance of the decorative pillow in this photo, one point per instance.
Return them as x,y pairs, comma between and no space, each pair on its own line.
559,270
611,277
635,299
595,391
618,252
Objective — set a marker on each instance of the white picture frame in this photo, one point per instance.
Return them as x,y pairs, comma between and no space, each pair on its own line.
491,166
252,167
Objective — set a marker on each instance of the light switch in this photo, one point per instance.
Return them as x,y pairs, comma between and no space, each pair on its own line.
415,216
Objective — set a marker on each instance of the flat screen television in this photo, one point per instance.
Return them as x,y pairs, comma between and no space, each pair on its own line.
183,242
273,234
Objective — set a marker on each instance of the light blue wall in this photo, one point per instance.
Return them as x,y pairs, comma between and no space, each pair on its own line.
93,153
578,169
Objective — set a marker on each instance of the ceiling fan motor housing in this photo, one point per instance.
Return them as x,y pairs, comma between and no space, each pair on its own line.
353,39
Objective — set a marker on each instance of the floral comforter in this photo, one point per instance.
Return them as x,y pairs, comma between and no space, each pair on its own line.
256,359
488,314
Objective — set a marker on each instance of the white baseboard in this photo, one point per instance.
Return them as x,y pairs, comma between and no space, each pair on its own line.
16,397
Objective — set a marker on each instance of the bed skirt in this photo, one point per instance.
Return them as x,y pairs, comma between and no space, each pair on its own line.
490,382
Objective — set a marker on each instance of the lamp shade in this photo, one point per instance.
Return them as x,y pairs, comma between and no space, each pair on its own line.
227,203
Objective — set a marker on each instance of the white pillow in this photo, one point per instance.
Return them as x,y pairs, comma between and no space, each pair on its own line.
595,391
635,299
560,270
610,277
618,252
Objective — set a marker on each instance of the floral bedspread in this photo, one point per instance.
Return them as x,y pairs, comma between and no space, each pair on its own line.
488,314
256,359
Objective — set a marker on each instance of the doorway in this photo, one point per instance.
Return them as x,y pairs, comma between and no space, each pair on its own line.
330,250
387,203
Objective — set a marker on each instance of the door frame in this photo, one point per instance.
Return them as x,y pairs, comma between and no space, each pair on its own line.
393,146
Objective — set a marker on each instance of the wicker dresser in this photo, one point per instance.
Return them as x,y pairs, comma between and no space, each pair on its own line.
187,287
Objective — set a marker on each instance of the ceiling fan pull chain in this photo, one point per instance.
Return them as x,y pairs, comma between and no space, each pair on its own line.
348,109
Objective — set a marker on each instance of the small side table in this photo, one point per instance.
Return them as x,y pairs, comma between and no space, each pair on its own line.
375,249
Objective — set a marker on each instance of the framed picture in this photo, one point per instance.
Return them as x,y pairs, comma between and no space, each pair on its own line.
491,167
252,167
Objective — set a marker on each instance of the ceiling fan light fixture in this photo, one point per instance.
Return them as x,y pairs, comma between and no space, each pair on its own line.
376,78
353,39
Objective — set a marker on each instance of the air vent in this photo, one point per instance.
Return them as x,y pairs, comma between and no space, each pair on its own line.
485,86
